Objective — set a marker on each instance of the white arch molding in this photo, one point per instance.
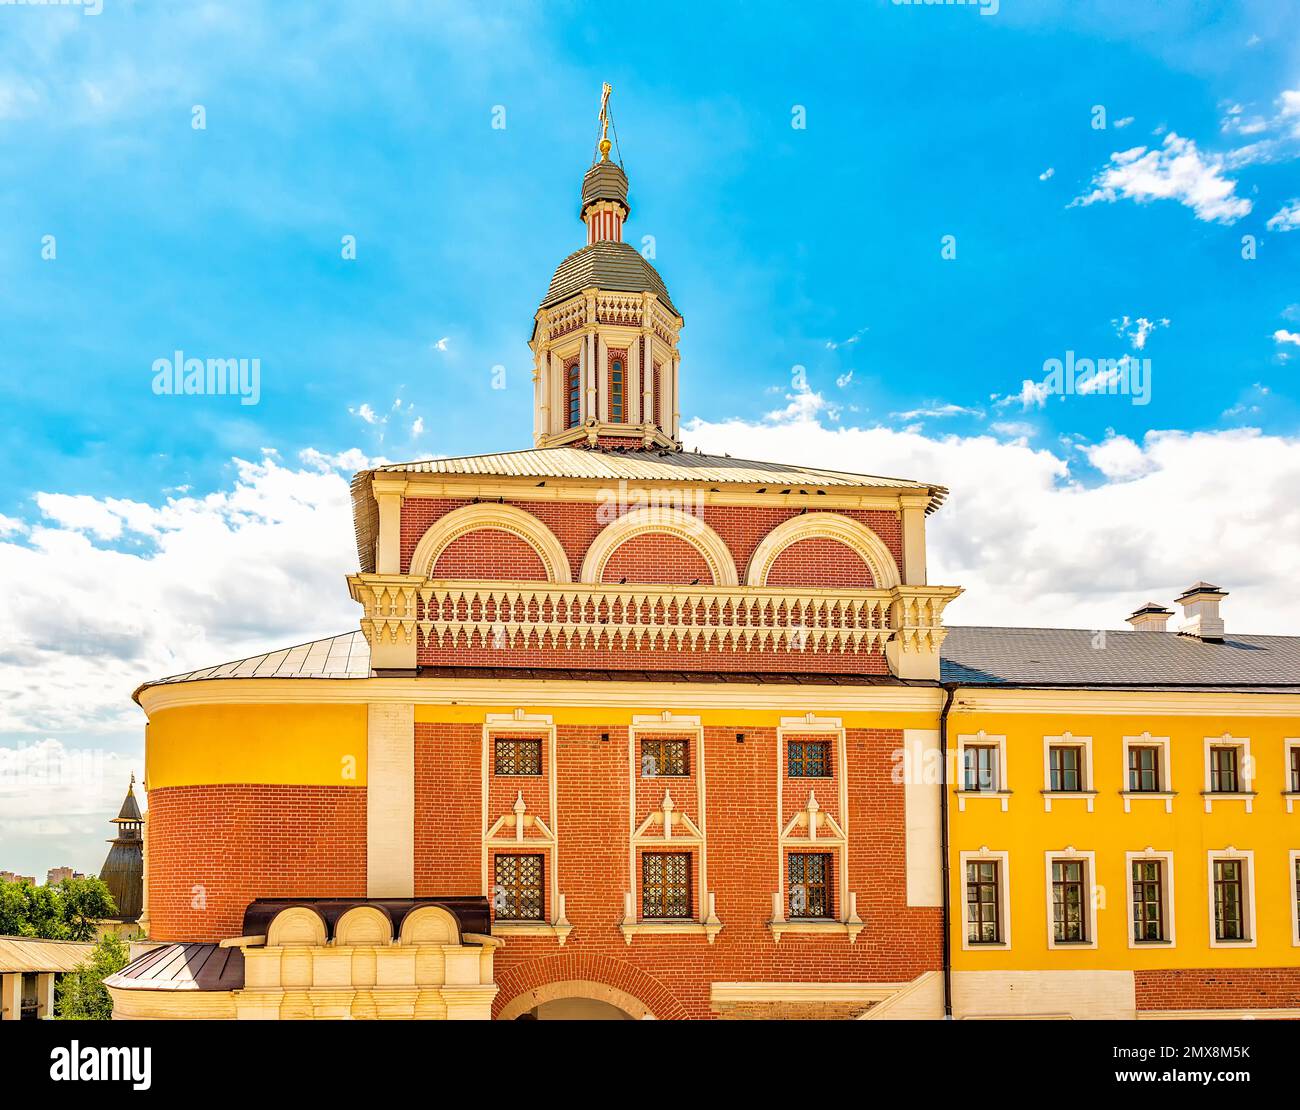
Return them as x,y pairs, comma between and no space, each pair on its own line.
828,526
500,518
665,521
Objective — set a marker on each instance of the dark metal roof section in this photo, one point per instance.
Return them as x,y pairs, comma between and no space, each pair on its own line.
471,911
183,967
1074,657
611,267
123,870
604,181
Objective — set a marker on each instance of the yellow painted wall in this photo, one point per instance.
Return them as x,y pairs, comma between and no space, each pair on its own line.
1027,832
315,745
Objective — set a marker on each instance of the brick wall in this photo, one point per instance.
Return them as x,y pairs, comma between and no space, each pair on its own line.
213,849
657,558
823,563
673,974
741,527
490,553
1218,988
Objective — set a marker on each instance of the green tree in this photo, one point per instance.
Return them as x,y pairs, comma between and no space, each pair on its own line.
82,902
64,912
14,919
81,995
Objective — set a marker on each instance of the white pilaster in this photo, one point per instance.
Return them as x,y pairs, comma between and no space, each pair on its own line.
390,800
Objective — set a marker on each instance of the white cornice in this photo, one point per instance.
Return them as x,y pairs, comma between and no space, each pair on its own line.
1170,703
549,692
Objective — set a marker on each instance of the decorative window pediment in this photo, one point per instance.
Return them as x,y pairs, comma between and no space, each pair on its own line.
812,825
667,823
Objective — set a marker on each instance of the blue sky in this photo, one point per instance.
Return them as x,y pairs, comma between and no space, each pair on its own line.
154,528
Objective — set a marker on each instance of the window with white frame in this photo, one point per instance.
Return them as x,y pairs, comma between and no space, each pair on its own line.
1071,900
1147,770
1150,897
986,918
982,760
1295,899
1292,749
1067,768
1231,888
1229,770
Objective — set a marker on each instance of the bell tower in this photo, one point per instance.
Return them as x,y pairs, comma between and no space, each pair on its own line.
604,340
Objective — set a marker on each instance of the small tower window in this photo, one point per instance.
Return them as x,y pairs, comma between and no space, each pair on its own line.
573,376
616,392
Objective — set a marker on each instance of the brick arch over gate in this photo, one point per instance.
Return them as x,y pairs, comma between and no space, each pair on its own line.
584,968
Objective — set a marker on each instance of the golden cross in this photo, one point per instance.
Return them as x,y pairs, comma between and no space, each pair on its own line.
605,90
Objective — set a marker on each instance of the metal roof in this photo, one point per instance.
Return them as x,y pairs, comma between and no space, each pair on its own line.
611,266
345,656
183,967
976,656
652,466
987,656
36,954
604,181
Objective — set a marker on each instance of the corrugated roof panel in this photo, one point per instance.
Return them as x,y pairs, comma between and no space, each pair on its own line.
650,466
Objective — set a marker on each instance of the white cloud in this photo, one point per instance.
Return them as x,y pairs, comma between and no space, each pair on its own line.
1287,218
843,380
1049,172
1016,429
1031,394
62,798
1123,122
938,411
442,344
1138,330
1117,457
1177,170
117,592
368,414
832,345
1284,336
417,427
1034,542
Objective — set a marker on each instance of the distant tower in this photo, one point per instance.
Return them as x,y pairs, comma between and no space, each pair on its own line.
123,870
605,337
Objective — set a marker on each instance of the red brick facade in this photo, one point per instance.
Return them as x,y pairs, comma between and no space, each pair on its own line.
672,974
1238,988
656,558
742,528
213,849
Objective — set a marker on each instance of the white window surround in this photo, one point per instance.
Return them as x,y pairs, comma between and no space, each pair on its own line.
822,824
1089,861
981,739
1247,895
1004,900
667,828
1293,890
1245,772
1087,790
1166,791
1166,860
504,832
1288,745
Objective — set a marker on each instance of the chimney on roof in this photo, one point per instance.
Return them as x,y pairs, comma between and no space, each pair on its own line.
1150,617
1201,618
